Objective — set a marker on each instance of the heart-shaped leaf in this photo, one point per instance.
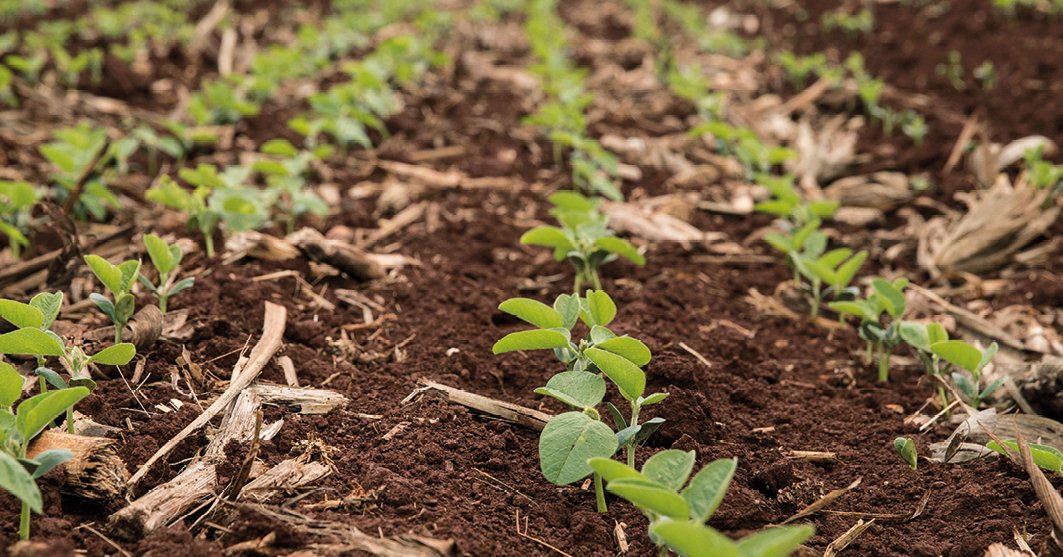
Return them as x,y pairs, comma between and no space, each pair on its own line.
577,388
629,348
567,305
568,441
600,307
534,312
49,306
628,377
160,253
109,275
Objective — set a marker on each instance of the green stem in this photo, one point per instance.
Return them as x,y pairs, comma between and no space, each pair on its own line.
597,283
883,363
117,333
868,352
599,493
635,408
162,303
664,551
70,420
816,296
575,288
210,245
43,384
24,522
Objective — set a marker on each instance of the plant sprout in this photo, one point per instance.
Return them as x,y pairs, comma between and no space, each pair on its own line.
166,258
885,298
961,354
119,280
569,439
906,448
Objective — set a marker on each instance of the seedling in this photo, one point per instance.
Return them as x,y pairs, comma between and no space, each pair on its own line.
18,474
952,70
786,203
241,207
922,337
987,74
154,143
906,448
166,259
744,144
886,298
76,152
119,280
862,22
1042,174
285,174
835,268
914,126
34,338
219,103
584,238
16,202
570,439
961,354
677,518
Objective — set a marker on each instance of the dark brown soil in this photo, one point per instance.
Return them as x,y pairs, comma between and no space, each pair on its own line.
451,474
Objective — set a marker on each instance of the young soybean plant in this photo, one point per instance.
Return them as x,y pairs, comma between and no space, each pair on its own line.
570,439
166,258
677,518
886,298
119,280
922,337
18,474
584,237
961,354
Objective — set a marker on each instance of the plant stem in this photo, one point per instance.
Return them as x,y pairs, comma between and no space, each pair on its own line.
162,303
868,352
210,245
883,363
24,522
597,283
117,334
599,493
815,298
70,420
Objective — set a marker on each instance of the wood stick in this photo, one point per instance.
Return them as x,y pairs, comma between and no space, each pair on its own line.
299,400
272,332
520,415
194,485
345,257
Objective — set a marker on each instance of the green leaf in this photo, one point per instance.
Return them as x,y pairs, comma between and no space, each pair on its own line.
1043,456
708,487
567,305
653,399
29,341
895,301
774,207
573,201
549,236
281,147
852,308
774,542
181,285
965,386
937,333
618,418
109,275
130,270
117,355
816,269
906,448
630,348
18,482
160,253
780,242
694,540
670,468
21,315
10,385
528,340
53,378
959,353
534,312
848,270
987,356
620,247
801,236
34,414
568,441
611,470
49,306
915,334
272,168
834,257
581,389
652,496
600,334
123,308
600,307
646,429
45,461
104,304
628,377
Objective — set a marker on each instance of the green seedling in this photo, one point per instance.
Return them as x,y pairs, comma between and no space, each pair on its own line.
153,143
570,439
744,144
1042,174
921,337
16,204
914,126
216,197
677,515
584,238
77,152
961,354
835,268
1048,458
861,22
906,448
166,259
33,338
286,175
19,474
987,74
787,203
952,70
219,103
119,280
885,298
799,68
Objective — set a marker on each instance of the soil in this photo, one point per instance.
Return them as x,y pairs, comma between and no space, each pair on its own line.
769,385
